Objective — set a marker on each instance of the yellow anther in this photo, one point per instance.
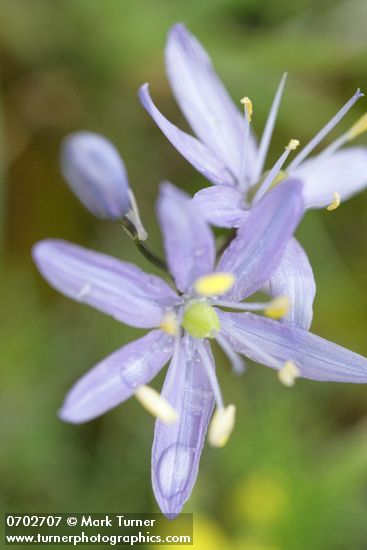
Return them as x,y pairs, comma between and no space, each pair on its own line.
336,202
214,284
278,307
288,374
169,323
293,144
222,425
247,103
358,128
155,404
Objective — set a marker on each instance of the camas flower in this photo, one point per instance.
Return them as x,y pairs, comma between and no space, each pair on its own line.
184,322
226,153
225,150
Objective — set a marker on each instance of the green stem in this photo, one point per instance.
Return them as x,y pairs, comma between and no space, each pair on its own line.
130,229
149,255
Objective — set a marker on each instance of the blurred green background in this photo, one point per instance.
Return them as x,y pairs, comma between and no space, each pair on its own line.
294,474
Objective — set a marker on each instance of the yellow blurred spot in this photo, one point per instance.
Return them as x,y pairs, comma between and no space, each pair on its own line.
247,103
207,536
214,284
288,374
278,308
261,499
221,426
293,144
157,405
169,323
336,202
358,128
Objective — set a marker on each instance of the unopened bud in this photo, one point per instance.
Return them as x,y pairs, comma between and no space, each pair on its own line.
96,173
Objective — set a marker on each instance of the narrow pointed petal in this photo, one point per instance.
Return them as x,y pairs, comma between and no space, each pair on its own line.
315,357
268,130
117,288
222,206
188,241
294,278
177,447
203,99
116,377
344,172
255,253
200,156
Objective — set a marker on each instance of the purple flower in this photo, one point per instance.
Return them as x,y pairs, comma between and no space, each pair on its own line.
226,153
96,173
225,150
184,322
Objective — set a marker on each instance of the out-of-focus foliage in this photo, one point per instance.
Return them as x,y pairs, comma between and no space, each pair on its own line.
294,474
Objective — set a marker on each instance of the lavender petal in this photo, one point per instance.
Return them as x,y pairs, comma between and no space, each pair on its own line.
256,251
294,278
117,288
177,447
202,158
221,205
344,172
204,101
317,358
116,377
188,241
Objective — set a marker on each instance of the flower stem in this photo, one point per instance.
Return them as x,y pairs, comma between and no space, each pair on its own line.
130,229
149,255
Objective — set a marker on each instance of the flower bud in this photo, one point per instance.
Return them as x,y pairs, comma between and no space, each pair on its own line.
96,173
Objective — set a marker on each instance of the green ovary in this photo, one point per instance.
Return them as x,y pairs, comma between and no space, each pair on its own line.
201,320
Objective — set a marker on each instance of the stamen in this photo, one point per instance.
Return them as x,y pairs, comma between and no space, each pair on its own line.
278,308
169,323
358,128
324,131
221,425
248,306
292,145
268,130
214,284
157,405
248,108
213,380
288,374
336,202
247,104
238,364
